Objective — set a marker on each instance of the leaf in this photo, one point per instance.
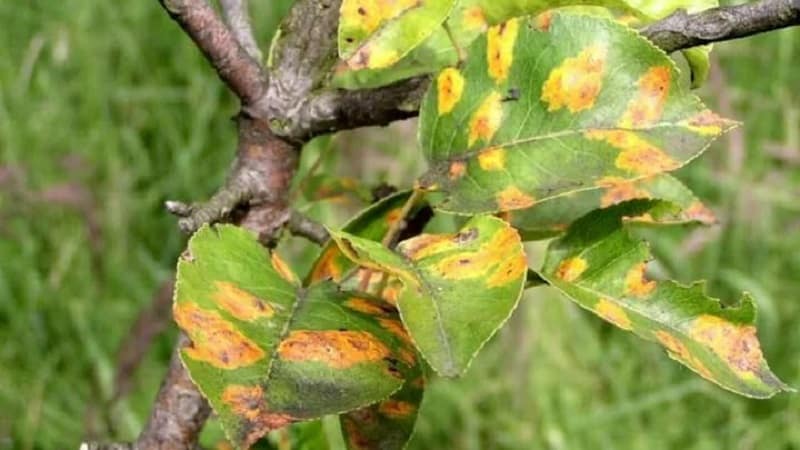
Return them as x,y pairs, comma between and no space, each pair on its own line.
454,290
266,352
374,34
536,114
552,218
600,266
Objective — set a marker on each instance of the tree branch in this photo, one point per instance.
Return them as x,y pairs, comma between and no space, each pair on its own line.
243,75
681,30
237,16
301,225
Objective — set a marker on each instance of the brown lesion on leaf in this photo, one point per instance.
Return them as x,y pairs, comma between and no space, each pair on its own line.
576,83
240,303
474,19
396,409
215,340
369,307
457,169
571,268
356,440
486,120
636,155
513,197
500,49
282,268
501,258
618,190
679,351
613,313
701,213
542,21
735,344
707,123
637,284
327,266
248,403
647,105
337,349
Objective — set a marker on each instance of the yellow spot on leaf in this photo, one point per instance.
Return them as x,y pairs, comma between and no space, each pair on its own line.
486,119
501,258
576,83
241,304
365,306
368,15
613,313
570,269
328,266
636,154
283,269
706,123
500,49
618,190
474,19
636,284
392,292
248,403
393,216
737,345
493,158
700,212
337,349
214,339
647,104
509,270
396,409
450,86
542,21
680,352
457,169
370,57
513,198
426,244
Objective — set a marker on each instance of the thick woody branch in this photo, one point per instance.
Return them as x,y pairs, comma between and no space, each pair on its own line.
682,30
233,64
237,16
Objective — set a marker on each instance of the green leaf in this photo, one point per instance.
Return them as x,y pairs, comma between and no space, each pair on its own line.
552,218
376,34
454,290
600,266
267,352
536,114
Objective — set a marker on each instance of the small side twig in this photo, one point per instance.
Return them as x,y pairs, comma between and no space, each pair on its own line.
301,225
390,238
237,16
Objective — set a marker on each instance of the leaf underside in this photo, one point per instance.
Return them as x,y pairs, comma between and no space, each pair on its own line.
601,267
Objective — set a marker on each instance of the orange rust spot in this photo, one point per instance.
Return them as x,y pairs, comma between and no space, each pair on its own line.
450,86
241,304
457,169
248,403
407,356
737,345
618,190
501,255
355,439
576,83
513,198
396,409
396,328
706,123
636,154
368,57
542,21
613,313
214,339
327,267
570,269
426,245
500,49
365,306
493,158
647,105
337,349
393,216
511,269
418,383
368,15
636,284
283,269
486,119
392,292
699,212
680,352
474,19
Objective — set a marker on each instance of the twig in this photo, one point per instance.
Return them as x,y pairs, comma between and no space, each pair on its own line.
301,225
237,16
390,238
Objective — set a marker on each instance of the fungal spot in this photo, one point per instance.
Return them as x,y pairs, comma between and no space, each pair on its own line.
500,257
647,104
636,284
542,21
241,304
407,356
457,169
509,270
396,409
418,383
576,83
613,313
248,403
474,19
337,349
365,306
450,86
328,266
618,190
283,269
572,268
513,198
500,49
486,119
396,328
737,345
493,158
367,15
392,292
369,57
706,123
214,339
636,154
393,216
355,438
699,212
679,351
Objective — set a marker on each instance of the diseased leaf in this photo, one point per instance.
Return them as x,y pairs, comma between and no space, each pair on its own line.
374,34
536,114
267,352
552,218
600,266
453,290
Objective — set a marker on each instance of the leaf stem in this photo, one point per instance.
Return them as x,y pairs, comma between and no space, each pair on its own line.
462,55
397,227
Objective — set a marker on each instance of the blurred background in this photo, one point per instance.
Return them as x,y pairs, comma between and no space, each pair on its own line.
107,110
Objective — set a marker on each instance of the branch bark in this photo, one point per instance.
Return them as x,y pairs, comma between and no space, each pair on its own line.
237,15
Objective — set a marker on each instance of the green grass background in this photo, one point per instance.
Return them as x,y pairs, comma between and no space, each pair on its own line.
112,99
